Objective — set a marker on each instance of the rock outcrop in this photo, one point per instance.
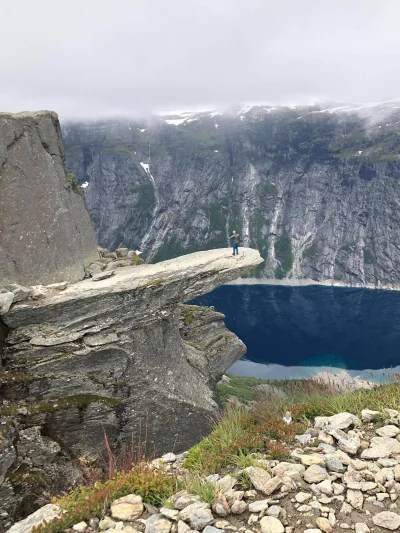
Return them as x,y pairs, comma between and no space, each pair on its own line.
120,355
46,234
315,190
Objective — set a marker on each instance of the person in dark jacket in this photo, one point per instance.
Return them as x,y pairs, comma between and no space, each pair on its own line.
235,238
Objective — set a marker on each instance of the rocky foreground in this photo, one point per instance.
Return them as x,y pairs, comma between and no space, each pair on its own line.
344,473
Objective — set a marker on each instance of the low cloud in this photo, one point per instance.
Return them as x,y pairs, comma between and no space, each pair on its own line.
98,58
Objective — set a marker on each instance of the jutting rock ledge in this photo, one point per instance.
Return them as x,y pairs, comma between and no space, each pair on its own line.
121,355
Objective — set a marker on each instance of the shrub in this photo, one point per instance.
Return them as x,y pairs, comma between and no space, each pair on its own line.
206,490
284,253
310,251
73,183
153,485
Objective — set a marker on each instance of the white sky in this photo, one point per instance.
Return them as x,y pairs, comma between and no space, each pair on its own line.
94,58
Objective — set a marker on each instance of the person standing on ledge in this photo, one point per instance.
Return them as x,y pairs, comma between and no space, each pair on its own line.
235,237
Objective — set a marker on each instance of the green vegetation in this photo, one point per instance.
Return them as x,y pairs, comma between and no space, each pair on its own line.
136,260
368,257
240,387
268,189
147,197
284,254
10,377
240,433
194,484
310,251
189,314
73,183
153,485
217,218
120,149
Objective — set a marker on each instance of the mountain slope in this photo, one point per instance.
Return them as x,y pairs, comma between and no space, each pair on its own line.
315,190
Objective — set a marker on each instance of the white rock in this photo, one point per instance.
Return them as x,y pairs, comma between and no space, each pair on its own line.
183,527
345,443
128,507
367,415
197,514
392,445
106,523
346,509
172,514
272,485
313,530
304,508
270,524
313,459
258,476
377,452
275,511
355,498
325,487
226,483
168,458
388,431
303,439
315,474
211,529
47,513
387,463
361,527
259,506
323,524
339,421
103,275
239,507
80,527
183,500
157,524
387,520
302,497
6,299
294,471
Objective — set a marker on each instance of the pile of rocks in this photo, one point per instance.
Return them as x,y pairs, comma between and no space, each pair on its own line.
344,473
109,261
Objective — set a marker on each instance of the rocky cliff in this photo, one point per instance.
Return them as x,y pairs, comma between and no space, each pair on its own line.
121,355
316,190
46,235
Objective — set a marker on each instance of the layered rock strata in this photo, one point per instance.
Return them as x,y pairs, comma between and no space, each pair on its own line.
120,355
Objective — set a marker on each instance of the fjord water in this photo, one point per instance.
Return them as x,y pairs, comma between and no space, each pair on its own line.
296,332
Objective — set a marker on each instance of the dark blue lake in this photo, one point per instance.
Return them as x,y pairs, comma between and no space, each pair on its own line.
295,332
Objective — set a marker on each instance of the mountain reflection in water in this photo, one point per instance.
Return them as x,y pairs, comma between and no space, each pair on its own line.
295,332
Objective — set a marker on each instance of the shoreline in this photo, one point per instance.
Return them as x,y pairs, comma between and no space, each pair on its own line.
309,282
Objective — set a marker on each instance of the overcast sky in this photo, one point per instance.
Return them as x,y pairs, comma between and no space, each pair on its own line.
93,58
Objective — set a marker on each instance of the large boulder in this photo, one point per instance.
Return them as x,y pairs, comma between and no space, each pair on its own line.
52,237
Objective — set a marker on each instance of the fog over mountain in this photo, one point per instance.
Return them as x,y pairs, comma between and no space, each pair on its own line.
95,59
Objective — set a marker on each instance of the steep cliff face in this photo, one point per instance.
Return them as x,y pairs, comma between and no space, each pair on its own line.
120,355
317,191
46,234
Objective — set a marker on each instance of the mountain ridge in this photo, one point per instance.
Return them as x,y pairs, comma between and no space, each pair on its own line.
314,188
